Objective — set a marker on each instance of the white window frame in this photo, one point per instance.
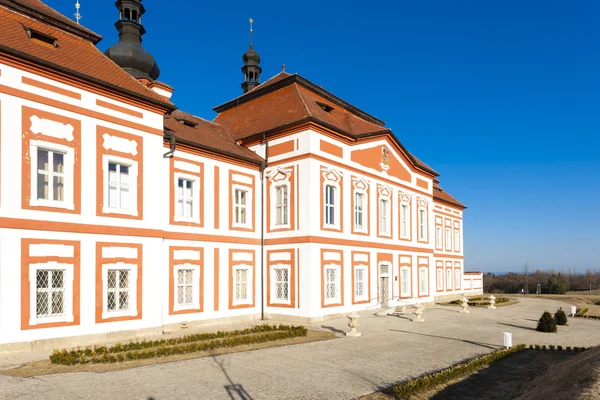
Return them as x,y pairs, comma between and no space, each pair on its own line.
457,278
423,273
283,209
422,217
273,279
338,298
67,294
456,240
249,283
438,237
384,218
68,175
440,279
132,278
449,283
364,211
403,222
195,287
448,244
407,292
248,206
196,199
365,295
131,209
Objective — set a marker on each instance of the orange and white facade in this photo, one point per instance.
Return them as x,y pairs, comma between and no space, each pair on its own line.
102,232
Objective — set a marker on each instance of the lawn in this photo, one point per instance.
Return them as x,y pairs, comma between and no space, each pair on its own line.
579,299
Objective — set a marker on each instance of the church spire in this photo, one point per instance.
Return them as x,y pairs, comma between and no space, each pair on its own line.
128,53
251,68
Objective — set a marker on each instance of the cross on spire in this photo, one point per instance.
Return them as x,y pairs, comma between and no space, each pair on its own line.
77,14
251,22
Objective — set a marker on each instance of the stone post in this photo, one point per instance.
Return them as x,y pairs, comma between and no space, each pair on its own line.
353,324
492,302
418,312
464,304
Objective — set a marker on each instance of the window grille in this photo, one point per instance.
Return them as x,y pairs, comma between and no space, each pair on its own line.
405,282
384,270
457,277
50,175
241,284
118,186
50,296
360,282
331,286
117,290
423,281
185,291
282,284
185,198
449,279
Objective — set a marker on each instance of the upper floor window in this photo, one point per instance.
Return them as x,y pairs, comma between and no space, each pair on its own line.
404,220
448,239
359,199
51,175
185,198
438,237
120,192
456,240
383,217
330,205
240,206
422,224
281,205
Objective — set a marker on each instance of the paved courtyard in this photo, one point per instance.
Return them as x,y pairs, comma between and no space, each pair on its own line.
391,349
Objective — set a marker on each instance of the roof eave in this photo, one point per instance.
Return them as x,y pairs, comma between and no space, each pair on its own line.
46,64
457,204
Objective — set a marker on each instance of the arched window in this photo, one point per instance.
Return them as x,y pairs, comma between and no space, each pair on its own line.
251,76
134,16
127,14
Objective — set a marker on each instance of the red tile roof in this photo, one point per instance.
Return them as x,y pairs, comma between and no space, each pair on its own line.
441,195
73,55
207,135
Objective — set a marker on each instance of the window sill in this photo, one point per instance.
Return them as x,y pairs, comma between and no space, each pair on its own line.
50,320
241,303
117,314
53,204
186,307
108,210
241,226
187,220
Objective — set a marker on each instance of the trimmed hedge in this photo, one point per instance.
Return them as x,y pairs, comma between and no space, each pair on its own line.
560,317
546,323
182,345
428,381
587,316
481,301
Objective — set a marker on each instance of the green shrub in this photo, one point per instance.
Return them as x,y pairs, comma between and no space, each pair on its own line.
560,317
428,381
546,323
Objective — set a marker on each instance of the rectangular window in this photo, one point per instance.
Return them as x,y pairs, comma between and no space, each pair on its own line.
240,200
185,198
405,282
404,222
438,237
50,175
422,225
360,282
282,283
383,218
358,211
281,205
457,278
456,240
423,282
118,186
117,290
330,205
448,239
331,285
242,292
440,279
50,293
185,287
449,279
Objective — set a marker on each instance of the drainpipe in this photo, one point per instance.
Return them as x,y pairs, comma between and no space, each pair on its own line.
263,166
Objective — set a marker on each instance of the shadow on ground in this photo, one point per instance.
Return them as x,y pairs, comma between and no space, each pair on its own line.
481,344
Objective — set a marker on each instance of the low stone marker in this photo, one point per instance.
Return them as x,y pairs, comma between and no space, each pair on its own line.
464,303
492,302
353,324
418,312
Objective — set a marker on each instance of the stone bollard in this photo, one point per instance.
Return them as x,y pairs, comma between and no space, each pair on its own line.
492,302
464,304
573,311
353,324
418,313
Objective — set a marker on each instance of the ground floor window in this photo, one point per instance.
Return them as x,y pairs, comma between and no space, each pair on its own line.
457,278
449,279
423,282
360,283
119,290
405,284
242,284
187,287
440,279
280,284
332,284
51,291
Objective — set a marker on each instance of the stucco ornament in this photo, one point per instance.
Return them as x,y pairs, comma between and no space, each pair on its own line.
385,154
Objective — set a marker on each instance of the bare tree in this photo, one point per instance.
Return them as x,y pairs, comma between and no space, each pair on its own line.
591,278
526,276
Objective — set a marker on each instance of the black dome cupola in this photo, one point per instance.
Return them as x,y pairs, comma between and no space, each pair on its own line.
129,53
251,68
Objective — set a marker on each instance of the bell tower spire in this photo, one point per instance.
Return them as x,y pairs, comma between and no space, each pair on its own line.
129,53
251,68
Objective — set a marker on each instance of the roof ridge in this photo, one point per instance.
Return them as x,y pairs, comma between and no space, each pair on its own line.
303,101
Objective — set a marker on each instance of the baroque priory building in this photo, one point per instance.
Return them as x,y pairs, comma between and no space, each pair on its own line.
121,215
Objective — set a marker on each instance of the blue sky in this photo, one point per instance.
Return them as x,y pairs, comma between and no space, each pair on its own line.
502,98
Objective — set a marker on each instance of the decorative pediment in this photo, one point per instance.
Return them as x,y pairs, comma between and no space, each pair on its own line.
332,175
279,174
382,159
384,191
405,197
360,183
422,202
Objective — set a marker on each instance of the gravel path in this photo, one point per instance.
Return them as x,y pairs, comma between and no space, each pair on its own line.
391,349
